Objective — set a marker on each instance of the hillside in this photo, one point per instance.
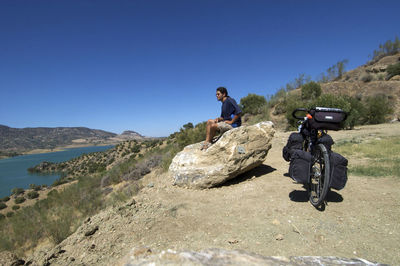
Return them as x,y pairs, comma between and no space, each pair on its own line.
22,140
370,80
98,161
365,81
262,211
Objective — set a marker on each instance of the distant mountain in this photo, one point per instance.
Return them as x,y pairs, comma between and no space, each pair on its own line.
129,134
26,139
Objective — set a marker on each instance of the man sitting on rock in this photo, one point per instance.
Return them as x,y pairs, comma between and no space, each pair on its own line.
230,117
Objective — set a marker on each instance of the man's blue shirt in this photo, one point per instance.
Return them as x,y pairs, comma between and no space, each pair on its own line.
229,109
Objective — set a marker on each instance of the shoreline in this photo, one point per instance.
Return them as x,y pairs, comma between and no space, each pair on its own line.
58,149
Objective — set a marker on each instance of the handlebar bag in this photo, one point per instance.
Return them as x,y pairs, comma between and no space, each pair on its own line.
326,118
299,168
295,142
338,171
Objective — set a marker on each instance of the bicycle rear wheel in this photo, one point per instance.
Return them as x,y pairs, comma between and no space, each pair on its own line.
319,176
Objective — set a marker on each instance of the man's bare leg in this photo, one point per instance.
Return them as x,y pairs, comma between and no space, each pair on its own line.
211,130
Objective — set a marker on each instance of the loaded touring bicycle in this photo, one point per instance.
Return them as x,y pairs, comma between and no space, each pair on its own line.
312,162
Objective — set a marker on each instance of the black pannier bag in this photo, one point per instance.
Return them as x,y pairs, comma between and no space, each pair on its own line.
327,141
326,118
338,171
295,142
299,168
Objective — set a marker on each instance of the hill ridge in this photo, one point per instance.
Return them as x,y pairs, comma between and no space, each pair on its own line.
22,140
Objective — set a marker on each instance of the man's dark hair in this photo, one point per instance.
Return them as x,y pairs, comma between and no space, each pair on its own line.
223,90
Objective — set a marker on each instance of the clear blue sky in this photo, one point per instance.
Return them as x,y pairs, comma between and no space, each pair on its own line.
152,66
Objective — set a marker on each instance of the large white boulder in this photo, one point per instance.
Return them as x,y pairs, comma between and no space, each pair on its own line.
237,151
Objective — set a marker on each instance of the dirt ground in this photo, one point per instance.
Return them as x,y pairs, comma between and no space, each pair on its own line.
262,211
265,212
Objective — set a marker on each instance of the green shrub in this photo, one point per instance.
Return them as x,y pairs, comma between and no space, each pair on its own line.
378,107
35,187
367,77
5,199
17,191
311,91
276,98
191,135
393,70
279,109
293,101
2,216
264,115
2,205
356,114
59,181
10,214
19,200
252,104
15,207
32,194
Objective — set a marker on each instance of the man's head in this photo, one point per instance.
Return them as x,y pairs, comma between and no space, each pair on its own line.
221,93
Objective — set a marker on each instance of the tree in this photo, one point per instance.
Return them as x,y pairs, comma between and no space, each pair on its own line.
253,104
310,91
377,108
341,65
298,82
188,126
387,48
301,80
335,71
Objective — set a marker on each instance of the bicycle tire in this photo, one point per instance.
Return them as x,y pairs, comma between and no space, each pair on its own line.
319,176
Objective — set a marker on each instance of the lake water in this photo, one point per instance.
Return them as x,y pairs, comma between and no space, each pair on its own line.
14,173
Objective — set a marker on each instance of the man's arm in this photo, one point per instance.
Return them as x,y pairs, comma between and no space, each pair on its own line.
234,119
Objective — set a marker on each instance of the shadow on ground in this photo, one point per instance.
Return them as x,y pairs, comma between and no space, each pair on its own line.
254,173
302,196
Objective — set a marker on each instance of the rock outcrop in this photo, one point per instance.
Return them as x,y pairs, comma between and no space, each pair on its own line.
9,258
237,151
232,257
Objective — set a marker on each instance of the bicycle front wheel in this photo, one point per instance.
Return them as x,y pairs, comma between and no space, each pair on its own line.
319,176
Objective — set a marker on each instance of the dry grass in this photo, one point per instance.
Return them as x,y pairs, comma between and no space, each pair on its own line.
377,157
